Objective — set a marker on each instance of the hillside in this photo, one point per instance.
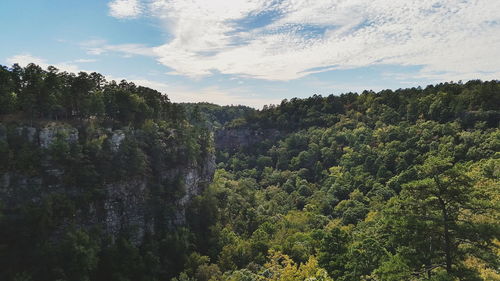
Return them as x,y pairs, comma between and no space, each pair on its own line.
395,185
93,173
112,181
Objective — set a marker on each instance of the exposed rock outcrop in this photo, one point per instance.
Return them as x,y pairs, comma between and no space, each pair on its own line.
47,135
127,204
234,138
116,139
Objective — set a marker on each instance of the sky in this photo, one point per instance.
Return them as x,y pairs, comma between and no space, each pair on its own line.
257,52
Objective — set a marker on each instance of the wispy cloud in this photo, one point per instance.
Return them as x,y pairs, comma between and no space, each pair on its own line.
84,60
176,93
284,40
123,9
25,59
213,94
99,47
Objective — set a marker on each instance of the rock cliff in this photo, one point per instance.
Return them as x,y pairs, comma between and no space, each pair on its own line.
135,204
234,138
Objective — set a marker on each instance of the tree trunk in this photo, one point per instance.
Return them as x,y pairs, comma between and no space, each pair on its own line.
446,234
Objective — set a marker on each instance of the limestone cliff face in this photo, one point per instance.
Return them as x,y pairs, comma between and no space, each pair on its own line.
127,204
234,138
134,204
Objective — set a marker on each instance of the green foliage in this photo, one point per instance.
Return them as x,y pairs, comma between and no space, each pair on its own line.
373,166
50,94
394,185
334,251
215,116
394,269
79,255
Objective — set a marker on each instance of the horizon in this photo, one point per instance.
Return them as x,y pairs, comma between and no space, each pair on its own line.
460,82
258,53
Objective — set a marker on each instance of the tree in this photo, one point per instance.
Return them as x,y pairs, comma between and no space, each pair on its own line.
333,254
79,255
282,268
31,96
8,97
394,269
438,204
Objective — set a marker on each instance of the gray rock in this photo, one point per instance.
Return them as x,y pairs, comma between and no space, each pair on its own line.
29,132
232,139
49,134
116,139
125,205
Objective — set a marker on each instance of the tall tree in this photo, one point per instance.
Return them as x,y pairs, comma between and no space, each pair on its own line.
436,209
31,94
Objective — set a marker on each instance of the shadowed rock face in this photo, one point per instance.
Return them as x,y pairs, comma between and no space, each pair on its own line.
233,139
128,204
44,136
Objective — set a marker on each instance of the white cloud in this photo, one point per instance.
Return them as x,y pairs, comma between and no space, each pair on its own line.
289,39
84,60
220,96
126,49
25,59
99,47
214,94
175,93
123,9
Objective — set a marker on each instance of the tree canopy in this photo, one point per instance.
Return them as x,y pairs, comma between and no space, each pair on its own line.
389,185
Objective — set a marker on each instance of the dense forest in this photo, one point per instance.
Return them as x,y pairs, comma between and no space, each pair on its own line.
389,185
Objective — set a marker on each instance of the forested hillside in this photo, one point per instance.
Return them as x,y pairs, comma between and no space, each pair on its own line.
215,116
394,185
95,178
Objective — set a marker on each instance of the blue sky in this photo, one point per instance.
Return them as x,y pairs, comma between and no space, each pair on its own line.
257,52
